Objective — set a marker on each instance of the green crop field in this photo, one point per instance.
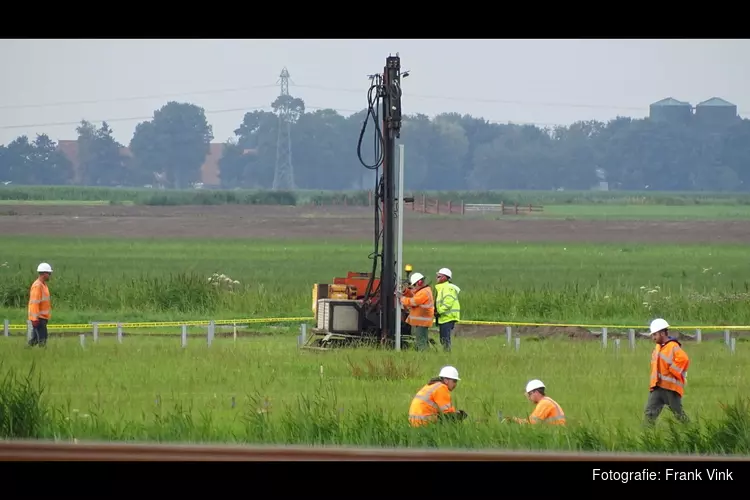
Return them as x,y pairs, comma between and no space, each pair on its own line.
262,389
150,388
168,280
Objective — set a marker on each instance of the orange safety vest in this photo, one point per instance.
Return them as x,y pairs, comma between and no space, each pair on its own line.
40,305
669,366
431,400
421,307
547,411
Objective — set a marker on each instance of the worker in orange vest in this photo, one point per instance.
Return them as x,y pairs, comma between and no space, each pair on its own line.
421,305
433,401
546,411
40,306
669,366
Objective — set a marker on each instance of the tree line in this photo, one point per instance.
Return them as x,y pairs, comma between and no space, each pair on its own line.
448,152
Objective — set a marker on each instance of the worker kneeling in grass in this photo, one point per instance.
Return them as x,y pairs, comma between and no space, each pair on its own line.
433,401
546,411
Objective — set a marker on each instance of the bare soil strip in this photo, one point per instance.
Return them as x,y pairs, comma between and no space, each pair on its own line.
256,221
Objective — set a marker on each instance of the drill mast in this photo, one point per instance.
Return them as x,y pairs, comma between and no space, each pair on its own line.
391,95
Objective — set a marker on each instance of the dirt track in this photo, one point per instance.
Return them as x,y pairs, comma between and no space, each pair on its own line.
236,221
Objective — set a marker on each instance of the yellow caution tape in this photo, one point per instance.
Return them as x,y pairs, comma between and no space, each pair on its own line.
162,324
636,327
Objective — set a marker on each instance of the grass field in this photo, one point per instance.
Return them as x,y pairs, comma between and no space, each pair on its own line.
645,212
163,280
264,390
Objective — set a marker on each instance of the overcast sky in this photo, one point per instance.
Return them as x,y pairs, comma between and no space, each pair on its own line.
544,82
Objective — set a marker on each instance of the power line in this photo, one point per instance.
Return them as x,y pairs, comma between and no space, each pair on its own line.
327,89
126,119
233,110
134,98
496,101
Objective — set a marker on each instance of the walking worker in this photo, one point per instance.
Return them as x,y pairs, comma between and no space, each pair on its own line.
40,305
447,307
546,411
421,308
669,366
433,401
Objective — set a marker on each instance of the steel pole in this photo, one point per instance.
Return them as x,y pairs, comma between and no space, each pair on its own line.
400,240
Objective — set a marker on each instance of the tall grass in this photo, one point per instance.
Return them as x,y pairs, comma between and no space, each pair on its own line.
139,280
318,419
23,413
253,197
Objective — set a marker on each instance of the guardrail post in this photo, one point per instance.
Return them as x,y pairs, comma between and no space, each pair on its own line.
119,333
303,333
210,336
29,330
184,336
95,331
617,347
733,345
604,337
726,337
509,334
234,331
698,335
518,343
6,328
82,338
631,338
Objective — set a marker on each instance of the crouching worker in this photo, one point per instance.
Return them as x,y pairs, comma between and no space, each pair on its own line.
433,401
547,410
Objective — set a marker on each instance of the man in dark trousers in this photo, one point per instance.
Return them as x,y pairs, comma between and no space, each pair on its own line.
40,306
669,366
447,306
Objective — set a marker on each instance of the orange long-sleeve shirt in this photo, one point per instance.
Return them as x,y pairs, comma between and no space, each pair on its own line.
547,411
40,306
429,402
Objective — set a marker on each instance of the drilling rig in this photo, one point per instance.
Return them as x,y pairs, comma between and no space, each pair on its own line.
362,308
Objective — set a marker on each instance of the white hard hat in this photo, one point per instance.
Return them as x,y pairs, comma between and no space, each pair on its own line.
658,324
44,268
415,277
533,385
445,272
449,372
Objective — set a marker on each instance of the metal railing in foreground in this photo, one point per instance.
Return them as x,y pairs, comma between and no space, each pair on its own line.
88,451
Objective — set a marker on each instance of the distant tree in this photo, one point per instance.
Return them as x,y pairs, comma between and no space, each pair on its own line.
5,175
100,157
258,131
49,164
18,159
175,143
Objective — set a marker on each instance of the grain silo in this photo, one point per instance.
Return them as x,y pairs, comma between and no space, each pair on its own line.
716,111
671,110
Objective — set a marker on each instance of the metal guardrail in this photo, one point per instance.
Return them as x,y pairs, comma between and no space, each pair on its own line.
59,451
